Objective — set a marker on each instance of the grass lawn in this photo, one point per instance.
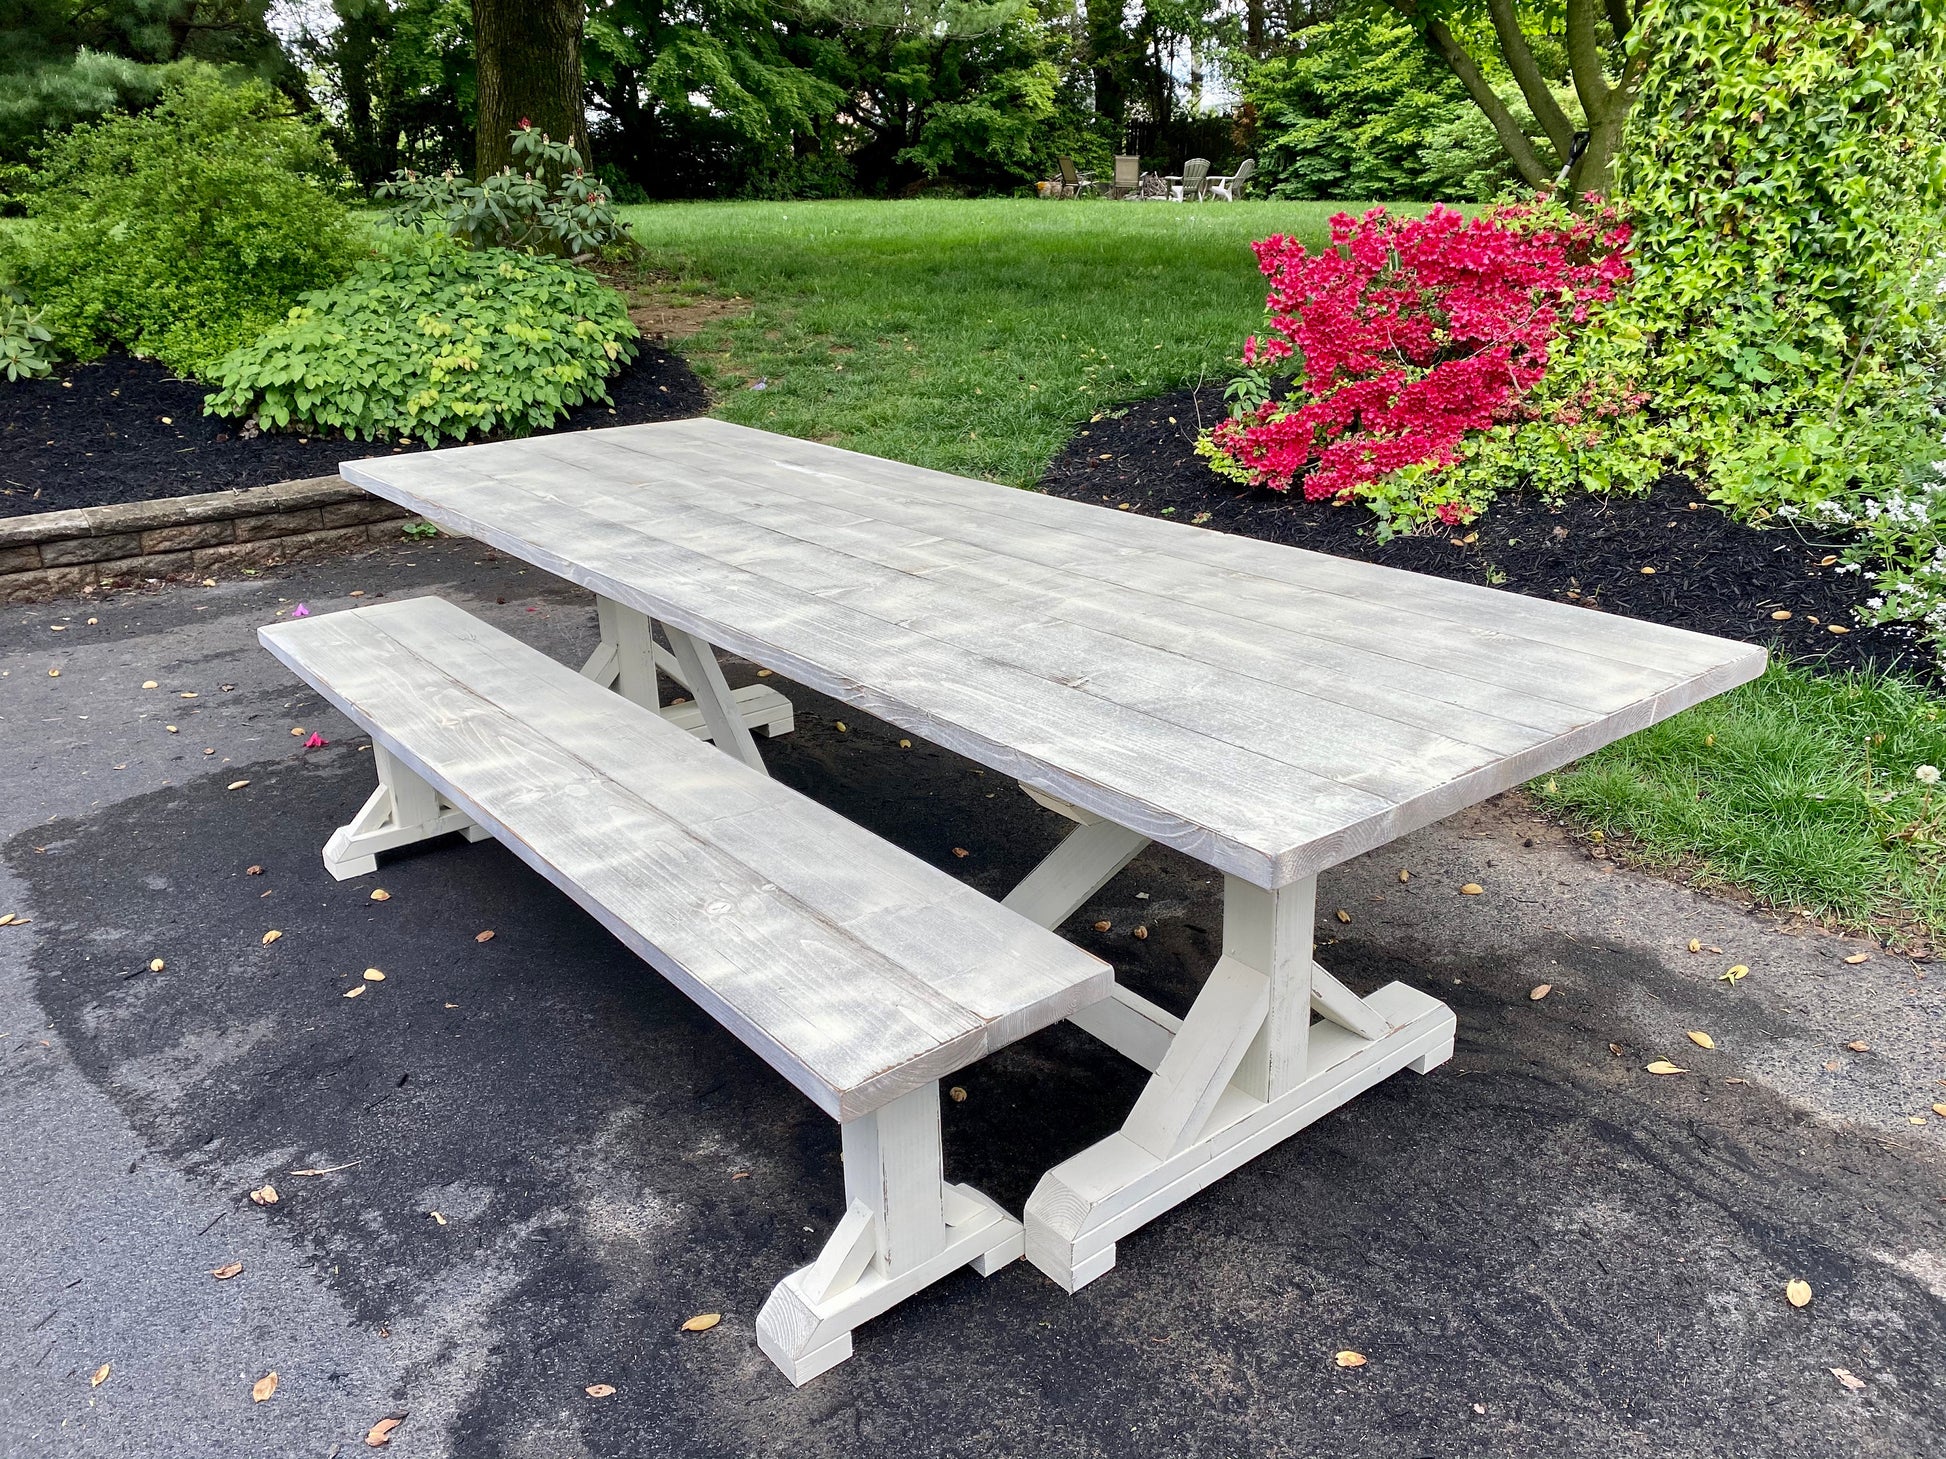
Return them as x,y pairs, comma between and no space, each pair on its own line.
968,336
1799,787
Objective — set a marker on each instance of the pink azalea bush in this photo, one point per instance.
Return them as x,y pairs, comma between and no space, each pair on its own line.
1407,334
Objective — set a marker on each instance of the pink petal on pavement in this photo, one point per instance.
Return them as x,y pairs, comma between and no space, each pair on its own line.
300,611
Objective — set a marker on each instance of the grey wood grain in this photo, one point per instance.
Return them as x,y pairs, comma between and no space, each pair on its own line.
1267,710
856,971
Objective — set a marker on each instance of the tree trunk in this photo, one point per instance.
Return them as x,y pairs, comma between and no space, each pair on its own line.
1106,47
529,58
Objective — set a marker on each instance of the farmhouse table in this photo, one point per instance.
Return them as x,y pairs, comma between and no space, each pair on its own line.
1268,711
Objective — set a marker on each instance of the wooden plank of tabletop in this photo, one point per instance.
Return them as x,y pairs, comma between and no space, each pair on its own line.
1268,710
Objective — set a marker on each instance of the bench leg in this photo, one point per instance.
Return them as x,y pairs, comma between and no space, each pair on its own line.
403,809
904,1228
629,658
1246,1069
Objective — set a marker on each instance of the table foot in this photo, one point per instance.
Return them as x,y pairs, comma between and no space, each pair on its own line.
1085,1204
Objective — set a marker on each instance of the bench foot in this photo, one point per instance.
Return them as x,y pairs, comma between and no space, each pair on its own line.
903,1230
402,811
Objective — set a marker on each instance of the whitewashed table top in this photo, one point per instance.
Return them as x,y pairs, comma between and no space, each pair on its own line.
1267,710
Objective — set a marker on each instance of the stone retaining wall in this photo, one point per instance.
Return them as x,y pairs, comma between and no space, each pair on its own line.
51,554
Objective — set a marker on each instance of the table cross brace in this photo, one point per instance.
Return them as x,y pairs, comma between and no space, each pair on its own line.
629,658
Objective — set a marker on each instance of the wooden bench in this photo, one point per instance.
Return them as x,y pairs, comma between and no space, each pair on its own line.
857,972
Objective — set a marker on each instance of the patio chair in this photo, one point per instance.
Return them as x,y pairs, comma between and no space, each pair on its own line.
1194,184
1128,177
1230,188
1073,183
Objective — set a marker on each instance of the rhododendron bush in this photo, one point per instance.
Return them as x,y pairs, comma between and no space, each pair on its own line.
1407,334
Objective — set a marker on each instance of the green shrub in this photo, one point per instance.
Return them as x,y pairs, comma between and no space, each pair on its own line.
552,204
186,230
1785,172
23,339
434,341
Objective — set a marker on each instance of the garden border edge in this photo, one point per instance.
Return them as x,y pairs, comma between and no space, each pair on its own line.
87,549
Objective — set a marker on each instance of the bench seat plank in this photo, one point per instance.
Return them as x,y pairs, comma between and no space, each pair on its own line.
856,971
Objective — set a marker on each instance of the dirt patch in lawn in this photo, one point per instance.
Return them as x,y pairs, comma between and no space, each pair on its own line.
127,430
1666,555
667,318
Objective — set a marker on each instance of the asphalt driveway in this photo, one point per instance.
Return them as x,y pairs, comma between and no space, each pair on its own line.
539,1159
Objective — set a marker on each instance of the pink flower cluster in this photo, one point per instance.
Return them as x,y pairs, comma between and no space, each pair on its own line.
1412,332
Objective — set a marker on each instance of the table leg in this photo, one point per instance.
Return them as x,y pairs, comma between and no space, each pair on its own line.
903,1229
1245,1069
629,658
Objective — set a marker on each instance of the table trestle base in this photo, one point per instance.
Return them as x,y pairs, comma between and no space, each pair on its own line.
628,659
1246,1068
402,811
903,1229
1083,1206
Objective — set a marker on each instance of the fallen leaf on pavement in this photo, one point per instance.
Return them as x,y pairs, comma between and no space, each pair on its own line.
437,1217
956,1094
236,785
961,851
1663,1066
1405,876
263,1388
379,894
1695,944
100,1376
156,965
1471,889
1859,957
264,1195
1850,1379
1141,934
486,936
227,1270
253,871
1859,1046
1735,974
600,1390
1798,1292
1540,991
1349,1359
150,684
373,975
702,1322
1701,1039
1615,1049
1940,1110
271,936
354,991
1103,926
381,1432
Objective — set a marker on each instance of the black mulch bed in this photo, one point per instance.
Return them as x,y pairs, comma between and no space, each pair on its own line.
126,430
1711,574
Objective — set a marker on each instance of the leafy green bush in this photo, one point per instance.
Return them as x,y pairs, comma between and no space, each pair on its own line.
552,204
23,339
1364,110
1785,171
186,230
434,340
